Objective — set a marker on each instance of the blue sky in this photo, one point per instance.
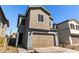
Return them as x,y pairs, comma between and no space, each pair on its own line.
58,12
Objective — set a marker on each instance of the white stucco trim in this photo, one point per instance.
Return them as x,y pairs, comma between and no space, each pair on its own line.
29,44
53,32
56,38
70,40
20,20
17,39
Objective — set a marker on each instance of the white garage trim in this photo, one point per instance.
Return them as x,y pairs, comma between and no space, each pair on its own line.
70,40
56,37
29,43
17,39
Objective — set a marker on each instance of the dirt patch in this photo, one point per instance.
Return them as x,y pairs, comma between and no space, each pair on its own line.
8,49
73,47
70,47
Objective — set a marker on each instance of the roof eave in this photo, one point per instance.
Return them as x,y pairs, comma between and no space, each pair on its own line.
29,7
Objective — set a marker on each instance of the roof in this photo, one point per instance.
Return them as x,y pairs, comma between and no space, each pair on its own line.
6,22
3,19
14,33
37,7
68,21
51,18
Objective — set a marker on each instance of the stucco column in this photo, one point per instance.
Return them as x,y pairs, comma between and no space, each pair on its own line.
17,39
70,40
29,43
56,39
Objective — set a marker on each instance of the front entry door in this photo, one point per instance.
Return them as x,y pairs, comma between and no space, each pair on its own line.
20,39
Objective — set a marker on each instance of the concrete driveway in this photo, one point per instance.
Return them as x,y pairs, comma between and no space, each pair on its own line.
54,50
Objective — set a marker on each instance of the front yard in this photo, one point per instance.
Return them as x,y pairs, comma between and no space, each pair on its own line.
70,47
73,47
9,49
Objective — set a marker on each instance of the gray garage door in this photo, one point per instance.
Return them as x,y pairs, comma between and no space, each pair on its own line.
75,40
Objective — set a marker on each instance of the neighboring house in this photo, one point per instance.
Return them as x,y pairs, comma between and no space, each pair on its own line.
12,40
4,23
14,35
35,29
68,32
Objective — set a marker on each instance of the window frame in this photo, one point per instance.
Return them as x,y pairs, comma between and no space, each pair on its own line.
72,26
77,27
40,18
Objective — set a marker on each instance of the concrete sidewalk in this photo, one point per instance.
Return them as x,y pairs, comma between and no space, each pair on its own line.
55,50
22,50
48,50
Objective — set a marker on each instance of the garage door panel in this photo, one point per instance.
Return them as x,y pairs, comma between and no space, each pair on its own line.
39,41
75,40
34,41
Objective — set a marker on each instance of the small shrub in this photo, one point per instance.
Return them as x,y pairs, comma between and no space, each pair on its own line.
1,41
63,45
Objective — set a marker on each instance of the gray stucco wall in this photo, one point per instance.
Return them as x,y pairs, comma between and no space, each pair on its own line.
63,33
26,38
21,29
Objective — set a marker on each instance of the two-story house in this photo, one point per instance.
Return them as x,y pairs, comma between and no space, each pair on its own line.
68,32
4,23
34,29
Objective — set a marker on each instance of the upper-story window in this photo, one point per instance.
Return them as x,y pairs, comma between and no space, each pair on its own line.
49,23
40,18
72,26
54,26
77,27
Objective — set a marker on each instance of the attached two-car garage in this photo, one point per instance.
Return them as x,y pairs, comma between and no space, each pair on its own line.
75,40
42,40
